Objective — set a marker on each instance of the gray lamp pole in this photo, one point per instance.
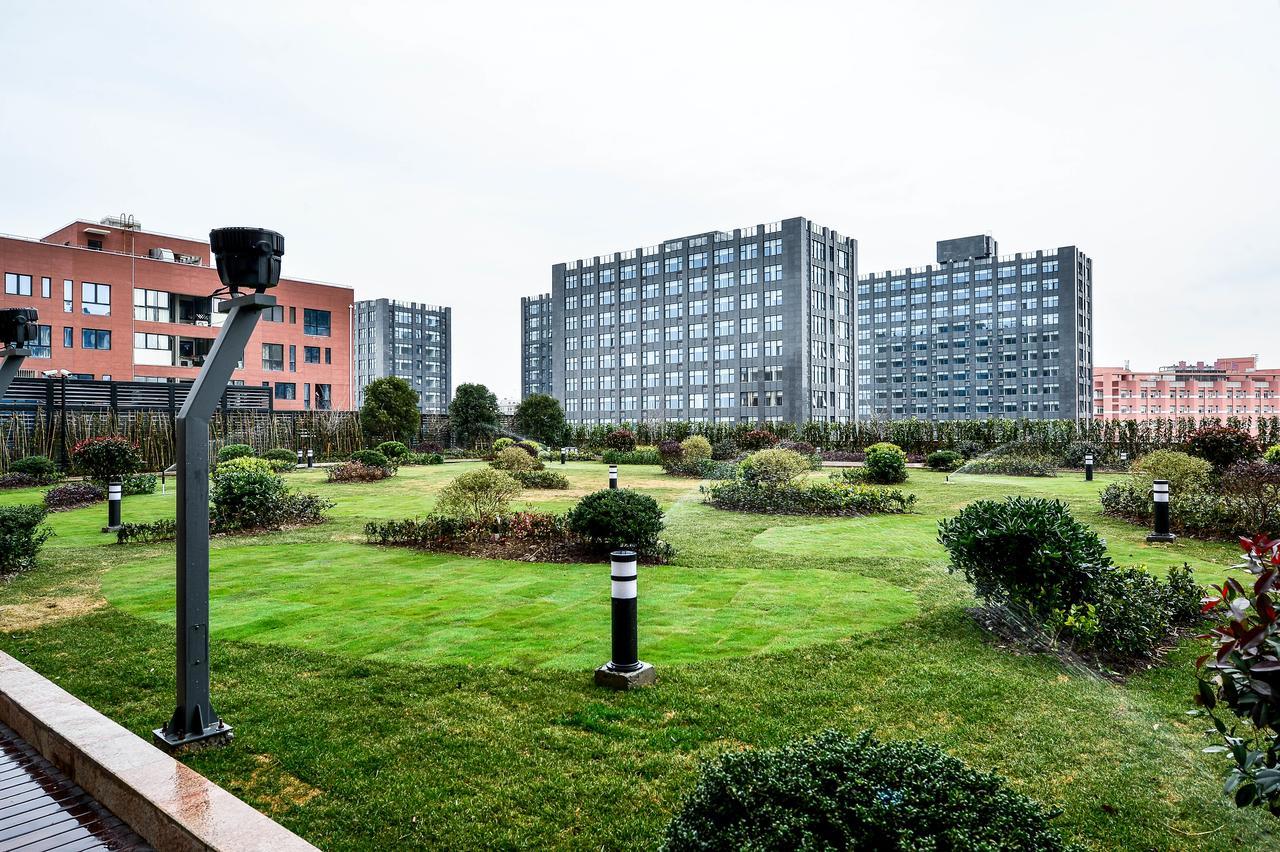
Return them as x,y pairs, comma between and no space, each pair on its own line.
248,258
17,329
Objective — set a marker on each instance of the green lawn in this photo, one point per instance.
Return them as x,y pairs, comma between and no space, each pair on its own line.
385,698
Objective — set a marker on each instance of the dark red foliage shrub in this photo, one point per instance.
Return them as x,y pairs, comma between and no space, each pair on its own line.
17,480
429,447
1242,673
1223,446
757,439
670,452
620,439
73,495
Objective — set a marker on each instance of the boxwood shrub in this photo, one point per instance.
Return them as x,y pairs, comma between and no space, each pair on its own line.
22,533
1012,465
393,450
833,792
543,479
234,451
40,468
156,531
943,460
641,455
613,518
886,464
810,498
370,458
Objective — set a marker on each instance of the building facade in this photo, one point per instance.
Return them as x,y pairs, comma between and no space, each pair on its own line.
977,334
118,302
1229,387
749,325
409,340
536,363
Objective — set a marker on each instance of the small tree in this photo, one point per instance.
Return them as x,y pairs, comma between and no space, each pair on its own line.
541,418
106,457
390,410
473,413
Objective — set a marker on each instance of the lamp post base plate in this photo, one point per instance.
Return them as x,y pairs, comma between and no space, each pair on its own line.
1167,538
646,675
218,735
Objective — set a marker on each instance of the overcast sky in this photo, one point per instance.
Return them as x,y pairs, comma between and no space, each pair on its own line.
451,153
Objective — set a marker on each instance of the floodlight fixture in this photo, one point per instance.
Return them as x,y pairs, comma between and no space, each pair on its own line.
248,258
17,327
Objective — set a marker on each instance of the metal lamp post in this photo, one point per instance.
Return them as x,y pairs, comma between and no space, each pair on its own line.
1088,468
249,259
17,329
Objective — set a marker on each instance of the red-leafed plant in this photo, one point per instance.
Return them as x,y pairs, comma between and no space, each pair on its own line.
106,457
1242,673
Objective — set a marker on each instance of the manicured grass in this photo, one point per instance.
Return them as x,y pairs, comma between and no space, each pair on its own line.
387,699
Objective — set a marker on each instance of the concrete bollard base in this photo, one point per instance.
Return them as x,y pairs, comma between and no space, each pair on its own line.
646,675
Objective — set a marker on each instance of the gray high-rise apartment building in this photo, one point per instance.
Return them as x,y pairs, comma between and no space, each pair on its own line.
977,334
749,325
535,345
408,340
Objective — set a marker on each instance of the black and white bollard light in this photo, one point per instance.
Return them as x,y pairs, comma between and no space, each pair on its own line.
1088,467
115,490
625,669
1124,457
1160,498
613,476
563,455
299,458
311,458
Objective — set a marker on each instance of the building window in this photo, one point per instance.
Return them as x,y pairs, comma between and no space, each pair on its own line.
40,348
311,354
286,390
68,338
46,287
68,289
273,314
150,305
17,285
315,323
95,299
94,338
324,397
273,356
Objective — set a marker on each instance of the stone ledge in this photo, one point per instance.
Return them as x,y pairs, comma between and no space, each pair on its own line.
166,803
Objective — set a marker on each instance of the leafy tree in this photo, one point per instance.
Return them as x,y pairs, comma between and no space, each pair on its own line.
473,413
390,410
540,417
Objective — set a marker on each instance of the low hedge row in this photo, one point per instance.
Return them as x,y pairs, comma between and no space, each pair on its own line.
809,498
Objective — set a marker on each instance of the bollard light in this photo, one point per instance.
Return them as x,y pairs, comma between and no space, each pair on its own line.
300,458
1088,467
1160,502
1124,457
115,490
563,455
311,458
613,476
625,669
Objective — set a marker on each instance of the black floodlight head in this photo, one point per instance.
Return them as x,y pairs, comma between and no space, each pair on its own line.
17,327
248,258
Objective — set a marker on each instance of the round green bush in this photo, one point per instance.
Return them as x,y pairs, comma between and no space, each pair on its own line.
234,451
246,494
370,458
620,439
944,460
886,464
1028,552
22,533
107,457
696,448
393,450
1186,474
773,468
1272,455
280,454
502,443
479,495
515,458
614,518
40,468
833,792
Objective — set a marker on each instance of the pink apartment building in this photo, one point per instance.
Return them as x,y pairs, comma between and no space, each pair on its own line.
1228,387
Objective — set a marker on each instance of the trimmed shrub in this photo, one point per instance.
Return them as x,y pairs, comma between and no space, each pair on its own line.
944,460
725,450
1223,446
670,452
620,439
515,458
73,495
479,495
614,518
251,463
370,458
833,792
22,534
139,483
547,480
281,460
530,447
757,439
235,451
773,467
1013,465
356,472
641,455
106,457
810,498
423,458
17,480
695,448
1027,552
1272,455
1185,473
1130,613
502,443
393,450
247,495
886,464
40,468
156,531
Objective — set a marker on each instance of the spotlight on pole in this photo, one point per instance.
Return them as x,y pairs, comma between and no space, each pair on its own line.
17,330
248,259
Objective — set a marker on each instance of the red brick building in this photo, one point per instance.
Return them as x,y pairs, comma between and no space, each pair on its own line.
118,302
1229,387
